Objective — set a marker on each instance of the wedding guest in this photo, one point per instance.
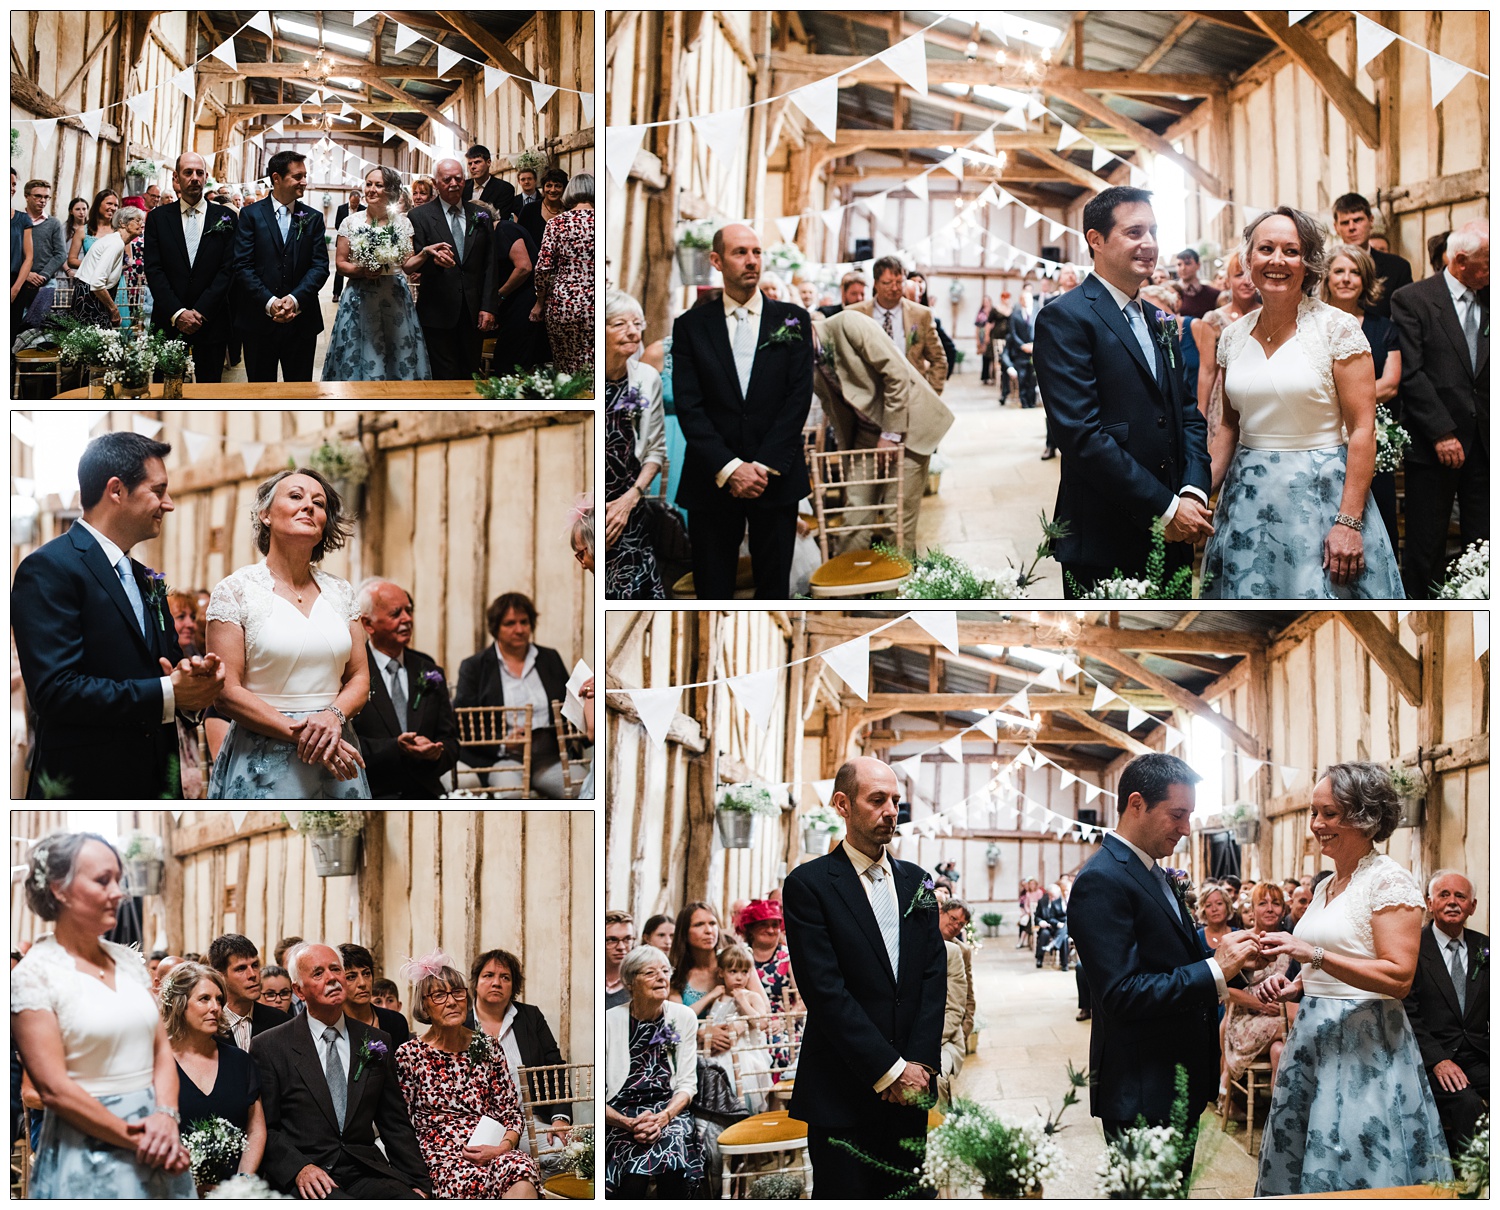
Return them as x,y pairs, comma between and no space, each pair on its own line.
695,942
237,962
215,1076
658,931
49,247
293,650
77,227
183,608
650,1078
635,447
1198,297
953,923
1354,220
354,205
482,187
1051,918
619,940
1031,895
520,343
1019,344
386,995
536,215
276,987
763,929
99,274
21,257
1253,1027
1244,298
91,1039
1217,914
283,947
359,993
807,295
1297,903
851,290
774,288
1437,251
565,279
153,197
581,533
451,238
451,1078
907,323
152,962
521,1029
100,223
421,190
527,192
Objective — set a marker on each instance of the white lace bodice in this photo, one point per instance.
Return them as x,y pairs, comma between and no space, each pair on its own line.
108,1036
400,222
1290,401
1345,926
292,662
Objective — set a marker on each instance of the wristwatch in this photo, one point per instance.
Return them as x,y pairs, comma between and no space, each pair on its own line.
1317,958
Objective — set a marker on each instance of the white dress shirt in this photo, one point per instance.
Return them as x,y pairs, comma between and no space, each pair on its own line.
1122,300
239,1026
754,308
342,1042
1150,862
526,689
887,887
113,554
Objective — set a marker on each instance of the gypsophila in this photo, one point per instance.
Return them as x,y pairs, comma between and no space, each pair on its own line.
1468,575
1142,1163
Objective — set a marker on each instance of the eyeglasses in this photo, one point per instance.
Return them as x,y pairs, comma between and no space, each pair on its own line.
458,995
286,995
582,554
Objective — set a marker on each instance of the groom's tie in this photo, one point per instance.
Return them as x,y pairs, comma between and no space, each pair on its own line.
1166,889
283,220
885,917
1137,322
132,591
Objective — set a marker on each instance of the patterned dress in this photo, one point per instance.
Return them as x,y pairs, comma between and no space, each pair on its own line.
566,261
630,571
776,977
446,1095
376,336
648,1087
1250,1034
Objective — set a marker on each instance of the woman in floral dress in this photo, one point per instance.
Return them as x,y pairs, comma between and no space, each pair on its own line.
451,1077
634,449
565,279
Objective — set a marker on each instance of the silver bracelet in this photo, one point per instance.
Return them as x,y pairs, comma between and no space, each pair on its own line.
338,714
1353,523
171,1113
1317,958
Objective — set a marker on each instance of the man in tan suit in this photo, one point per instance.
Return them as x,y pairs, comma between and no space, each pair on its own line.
876,399
907,323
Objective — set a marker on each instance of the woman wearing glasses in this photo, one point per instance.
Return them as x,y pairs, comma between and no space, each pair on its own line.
635,446
276,988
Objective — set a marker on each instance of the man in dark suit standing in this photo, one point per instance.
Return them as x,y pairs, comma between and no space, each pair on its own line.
457,302
482,187
1155,987
1134,444
238,961
742,375
1443,323
1449,1006
324,1094
353,206
1353,218
408,733
851,291
1020,342
95,640
862,931
526,194
189,259
280,264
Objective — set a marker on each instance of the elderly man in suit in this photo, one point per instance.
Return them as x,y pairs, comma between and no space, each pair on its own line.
875,399
1449,1006
862,932
409,734
907,323
1443,323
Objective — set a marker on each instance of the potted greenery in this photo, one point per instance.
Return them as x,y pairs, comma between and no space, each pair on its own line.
693,246
819,826
145,863
992,922
1244,820
175,361
343,464
992,854
334,837
737,807
1411,789
784,258
778,1186
137,173
974,1150
533,159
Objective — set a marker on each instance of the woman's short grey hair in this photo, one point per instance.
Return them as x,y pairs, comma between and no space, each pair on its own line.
124,214
1366,798
1364,265
448,978
579,191
177,991
1310,238
640,960
338,529
53,862
582,530
617,303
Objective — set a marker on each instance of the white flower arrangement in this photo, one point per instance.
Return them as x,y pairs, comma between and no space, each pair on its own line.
974,1149
578,1156
824,819
1120,588
245,1187
1468,575
1142,1163
1391,440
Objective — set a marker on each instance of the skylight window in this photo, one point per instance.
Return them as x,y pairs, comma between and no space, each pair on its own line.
309,32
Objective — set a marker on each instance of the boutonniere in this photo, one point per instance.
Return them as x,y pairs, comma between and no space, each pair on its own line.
911,339
1165,337
156,595
478,219
1179,881
432,679
790,331
924,900
371,1050
1482,957
665,1034
629,402
301,220
226,223
481,1047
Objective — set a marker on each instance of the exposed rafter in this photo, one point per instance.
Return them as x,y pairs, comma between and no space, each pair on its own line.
1385,649
857,70
1177,695
1357,109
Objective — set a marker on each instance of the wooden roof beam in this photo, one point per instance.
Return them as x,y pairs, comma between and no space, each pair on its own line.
1076,174
1143,136
972,172
349,69
1174,35
903,703
971,633
1357,109
1403,668
1177,695
1111,735
856,70
491,46
922,140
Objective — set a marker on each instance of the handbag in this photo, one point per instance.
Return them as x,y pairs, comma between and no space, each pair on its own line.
668,534
715,1099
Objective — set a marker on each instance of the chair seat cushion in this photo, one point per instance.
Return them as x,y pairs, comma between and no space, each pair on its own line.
863,567
764,1128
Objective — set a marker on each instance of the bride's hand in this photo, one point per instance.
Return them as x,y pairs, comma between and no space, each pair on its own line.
317,736
344,762
1344,554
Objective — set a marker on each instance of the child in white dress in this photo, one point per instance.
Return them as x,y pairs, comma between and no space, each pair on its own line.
741,1004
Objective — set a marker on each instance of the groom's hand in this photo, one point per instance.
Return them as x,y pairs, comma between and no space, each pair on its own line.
1190,522
910,1085
1238,951
747,481
195,689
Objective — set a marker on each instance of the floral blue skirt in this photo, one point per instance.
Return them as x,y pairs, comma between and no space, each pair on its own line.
1275,509
376,336
1351,1108
252,765
71,1164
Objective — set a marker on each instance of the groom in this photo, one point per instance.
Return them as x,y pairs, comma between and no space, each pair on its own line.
95,639
1134,445
1154,985
280,264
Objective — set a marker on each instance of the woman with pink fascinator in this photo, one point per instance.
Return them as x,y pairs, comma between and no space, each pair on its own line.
454,1079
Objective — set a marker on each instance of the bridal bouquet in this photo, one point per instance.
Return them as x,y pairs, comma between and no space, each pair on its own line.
215,1146
377,248
1468,575
1391,441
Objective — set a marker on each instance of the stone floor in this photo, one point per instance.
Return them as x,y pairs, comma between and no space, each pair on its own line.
1028,1037
330,310
995,483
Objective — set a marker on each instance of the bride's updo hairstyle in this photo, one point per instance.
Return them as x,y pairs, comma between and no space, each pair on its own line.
390,181
1311,237
1365,795
337,531
53,861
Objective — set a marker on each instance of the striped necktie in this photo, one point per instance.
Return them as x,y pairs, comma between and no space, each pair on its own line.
885,916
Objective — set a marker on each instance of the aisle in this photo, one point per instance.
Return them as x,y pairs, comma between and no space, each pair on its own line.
330,309
1029,1036
995,483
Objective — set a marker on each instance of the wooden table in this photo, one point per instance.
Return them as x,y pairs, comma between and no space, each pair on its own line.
441,389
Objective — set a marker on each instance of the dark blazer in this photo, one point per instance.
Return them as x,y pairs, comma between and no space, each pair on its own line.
340,215
831,309
263,1016
521,201
393,1023
761,425
1432,1008
301,1127
91,676
1395,272
1155,1004
538,1048
861,1017
202,286
266,267
1131,434
1022,332
479,684
497,193
531,220
445,291
392,773
1441,394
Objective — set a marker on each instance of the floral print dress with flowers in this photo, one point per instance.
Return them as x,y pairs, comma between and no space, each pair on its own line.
648,1088
566,260
630,570
446,1095
376,336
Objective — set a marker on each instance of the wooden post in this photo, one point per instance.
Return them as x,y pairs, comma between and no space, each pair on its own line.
791,757
171,886
1433,639
703,767
372,887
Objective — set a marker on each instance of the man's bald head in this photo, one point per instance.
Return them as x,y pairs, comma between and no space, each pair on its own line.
737,255
867,795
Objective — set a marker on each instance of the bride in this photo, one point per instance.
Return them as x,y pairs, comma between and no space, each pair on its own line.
294,653
1295,452
376,336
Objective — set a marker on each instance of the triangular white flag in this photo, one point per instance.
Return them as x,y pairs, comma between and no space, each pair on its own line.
820,102
1297,14
364,121
985,141
44,129
251,451
620,147
93,121
224,52
1172,737
911,766
918,185
262,22
1211,207
986,726
144,426
954,748
908,59
1289,774
1035,107
1249,767
1055,230
1446,75
1370,38
1069,668
184,80
787,225
1067,136
1066,780
404,37
756,692
1102,156
941,624
257,140
541,94
238,819
391,132
1134,717
1048,680
296,115
1020,704
198,444
141,104
447,60
1093,791
953,164
1103,695
493,78
1033,217
1016,117
721,132
278,126
831,218
851,661
657,708
586,103
361,15
823,789
1030,756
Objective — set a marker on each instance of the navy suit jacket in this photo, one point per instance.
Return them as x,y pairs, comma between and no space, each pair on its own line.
202,286
267,267
91,676
1432,1007
1130,433
1155,1004
1022,332
861,1017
